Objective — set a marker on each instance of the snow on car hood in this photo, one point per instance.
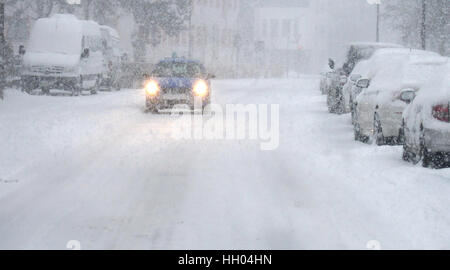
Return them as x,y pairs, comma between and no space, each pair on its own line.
50,59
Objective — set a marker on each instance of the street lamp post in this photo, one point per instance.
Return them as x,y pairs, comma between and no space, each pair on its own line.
190,33
378,22
377,3
2,48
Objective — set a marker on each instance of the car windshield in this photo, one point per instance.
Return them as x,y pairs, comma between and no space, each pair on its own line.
178,69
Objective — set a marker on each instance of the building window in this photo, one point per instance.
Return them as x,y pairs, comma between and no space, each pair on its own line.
274,28
264,28
286,28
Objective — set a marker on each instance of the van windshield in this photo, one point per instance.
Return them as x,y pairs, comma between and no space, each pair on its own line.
55,36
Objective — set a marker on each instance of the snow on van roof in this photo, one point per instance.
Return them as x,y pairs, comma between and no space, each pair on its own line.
113,32
57,34
91,28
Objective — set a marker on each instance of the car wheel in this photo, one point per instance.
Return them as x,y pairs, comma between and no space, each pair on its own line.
357,133
425,155
378,131
45,91
151,109
406,154
26,86
401,135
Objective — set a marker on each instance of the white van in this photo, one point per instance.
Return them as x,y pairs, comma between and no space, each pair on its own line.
112,54
63,53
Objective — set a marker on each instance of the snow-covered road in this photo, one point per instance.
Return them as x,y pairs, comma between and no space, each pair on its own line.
98,170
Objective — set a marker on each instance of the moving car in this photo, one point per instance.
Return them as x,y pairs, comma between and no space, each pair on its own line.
176,81
64,53
380,102
426,123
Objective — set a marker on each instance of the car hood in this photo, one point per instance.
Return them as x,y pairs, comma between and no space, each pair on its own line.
176,82
50,59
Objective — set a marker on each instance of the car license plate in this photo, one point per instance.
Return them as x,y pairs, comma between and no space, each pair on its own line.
175,96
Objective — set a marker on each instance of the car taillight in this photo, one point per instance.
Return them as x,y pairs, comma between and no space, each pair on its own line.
441,112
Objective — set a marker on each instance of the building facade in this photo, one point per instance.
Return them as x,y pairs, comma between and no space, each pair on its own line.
212,36
282,32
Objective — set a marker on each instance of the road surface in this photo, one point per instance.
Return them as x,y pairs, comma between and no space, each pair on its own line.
98,170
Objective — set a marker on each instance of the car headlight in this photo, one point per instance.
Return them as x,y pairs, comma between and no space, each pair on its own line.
201,88
152,88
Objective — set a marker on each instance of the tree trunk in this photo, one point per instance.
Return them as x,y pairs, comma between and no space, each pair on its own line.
87,9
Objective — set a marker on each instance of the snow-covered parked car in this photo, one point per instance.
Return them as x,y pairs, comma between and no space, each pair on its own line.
379,104
354,53
326,78
177,81
63,53
334,91
350,89
426,123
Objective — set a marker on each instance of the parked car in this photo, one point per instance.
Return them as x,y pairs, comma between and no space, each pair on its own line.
355,53
335,98
390,104
176,81
426,124
379,102
349,90
64,53
326,78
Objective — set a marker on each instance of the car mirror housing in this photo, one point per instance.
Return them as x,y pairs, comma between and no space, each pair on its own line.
22,50
86,53
363,83
408,95
331,63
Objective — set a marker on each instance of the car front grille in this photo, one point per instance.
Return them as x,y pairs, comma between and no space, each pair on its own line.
47,70
175,91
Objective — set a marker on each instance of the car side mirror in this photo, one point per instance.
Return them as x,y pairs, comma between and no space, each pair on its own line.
355,78
22,50
331,63
408,95
363,83
86,53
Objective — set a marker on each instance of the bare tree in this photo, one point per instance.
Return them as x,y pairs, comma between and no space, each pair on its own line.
422,23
